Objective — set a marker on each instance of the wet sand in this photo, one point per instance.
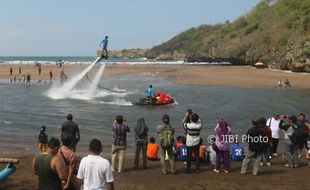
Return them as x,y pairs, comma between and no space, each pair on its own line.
275,177
233,76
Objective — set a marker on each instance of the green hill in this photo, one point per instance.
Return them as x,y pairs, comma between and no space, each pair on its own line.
276,32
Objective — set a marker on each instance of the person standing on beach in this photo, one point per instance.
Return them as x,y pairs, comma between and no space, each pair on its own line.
292,141
119,144
70,127
11,71
141,142
166,133
51,75
42,139
19,70
267,151
39,69
256,148
222,130
193,140
69,161
104,44
94,171
51,173
274,124
304,123
28,78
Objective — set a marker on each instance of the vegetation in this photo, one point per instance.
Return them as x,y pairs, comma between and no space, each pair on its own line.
271,31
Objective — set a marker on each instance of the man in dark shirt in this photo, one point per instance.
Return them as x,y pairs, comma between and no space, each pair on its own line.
255,137
304,123
72,128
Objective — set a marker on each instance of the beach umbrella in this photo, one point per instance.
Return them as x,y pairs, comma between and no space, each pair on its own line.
259,64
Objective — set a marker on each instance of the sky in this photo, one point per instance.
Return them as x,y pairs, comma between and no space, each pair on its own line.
76,27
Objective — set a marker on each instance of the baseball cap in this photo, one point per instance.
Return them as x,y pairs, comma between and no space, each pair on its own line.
276,113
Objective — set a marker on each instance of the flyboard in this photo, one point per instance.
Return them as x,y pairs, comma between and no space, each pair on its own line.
9,169
99,86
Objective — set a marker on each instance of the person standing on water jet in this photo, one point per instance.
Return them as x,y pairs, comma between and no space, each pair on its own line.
150,93
104,44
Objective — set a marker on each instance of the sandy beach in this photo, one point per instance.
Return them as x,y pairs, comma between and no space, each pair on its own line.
234,76
275,177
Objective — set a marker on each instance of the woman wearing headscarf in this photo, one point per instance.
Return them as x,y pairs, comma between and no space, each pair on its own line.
141,142
222,131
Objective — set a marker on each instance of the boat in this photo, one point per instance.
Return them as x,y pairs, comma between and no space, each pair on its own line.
160,99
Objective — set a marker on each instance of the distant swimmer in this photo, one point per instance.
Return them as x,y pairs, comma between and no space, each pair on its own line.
104,44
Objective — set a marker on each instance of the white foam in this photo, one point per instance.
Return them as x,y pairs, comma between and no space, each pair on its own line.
59,91
91,92
119,102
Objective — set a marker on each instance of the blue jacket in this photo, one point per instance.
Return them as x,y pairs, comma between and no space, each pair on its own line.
150,92
104,43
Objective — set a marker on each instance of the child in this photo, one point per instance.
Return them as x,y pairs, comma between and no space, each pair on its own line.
236,151
152,150
211,152
42,140
181,150
202,153
179,142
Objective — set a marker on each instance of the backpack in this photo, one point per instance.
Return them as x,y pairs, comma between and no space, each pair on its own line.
298,135
166,137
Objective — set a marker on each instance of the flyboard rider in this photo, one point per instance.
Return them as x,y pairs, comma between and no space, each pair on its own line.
104,45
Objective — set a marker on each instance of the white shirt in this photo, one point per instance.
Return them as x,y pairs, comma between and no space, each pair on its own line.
192,128
274,126
212,154
96,172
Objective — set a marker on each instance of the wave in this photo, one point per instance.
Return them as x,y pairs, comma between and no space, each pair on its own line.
118,102
7,122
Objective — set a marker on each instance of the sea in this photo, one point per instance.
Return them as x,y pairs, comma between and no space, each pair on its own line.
90,59
25,108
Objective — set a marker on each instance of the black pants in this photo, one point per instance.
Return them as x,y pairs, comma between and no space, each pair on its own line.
104,53
274,145
267,153
190,150
140,146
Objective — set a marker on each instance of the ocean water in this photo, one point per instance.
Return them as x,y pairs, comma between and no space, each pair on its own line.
24,108
89,59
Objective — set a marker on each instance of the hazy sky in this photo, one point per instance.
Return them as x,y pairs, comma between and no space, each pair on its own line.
76,27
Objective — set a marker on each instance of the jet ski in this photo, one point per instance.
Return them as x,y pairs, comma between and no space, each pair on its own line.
160,99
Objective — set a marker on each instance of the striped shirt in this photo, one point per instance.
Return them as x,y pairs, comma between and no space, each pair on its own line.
119,137
192,133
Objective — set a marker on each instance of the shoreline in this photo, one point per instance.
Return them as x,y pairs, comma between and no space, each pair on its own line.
209,75
153,179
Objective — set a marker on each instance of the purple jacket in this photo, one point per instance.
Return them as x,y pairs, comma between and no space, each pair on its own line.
222,141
